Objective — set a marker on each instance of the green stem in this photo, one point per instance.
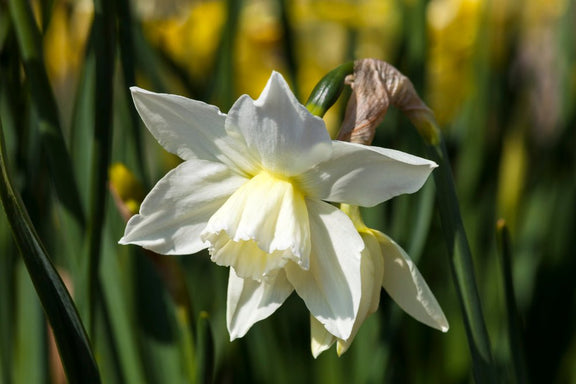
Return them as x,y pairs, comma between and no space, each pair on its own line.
461,263
205,348
515,338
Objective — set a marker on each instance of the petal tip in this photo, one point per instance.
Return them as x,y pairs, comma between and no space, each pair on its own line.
134,89
443,326
233,337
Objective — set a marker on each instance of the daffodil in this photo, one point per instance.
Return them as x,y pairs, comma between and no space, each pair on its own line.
254,189
383,264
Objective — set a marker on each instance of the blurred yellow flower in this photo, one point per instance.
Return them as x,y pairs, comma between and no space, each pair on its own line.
127,188
64,48
66,37
258,46
453,29
191,36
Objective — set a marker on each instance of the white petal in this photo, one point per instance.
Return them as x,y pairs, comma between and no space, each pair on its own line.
191,129
287,138
260,227
363,175
320,339
331,288
177,209
407,287
250,301
372,272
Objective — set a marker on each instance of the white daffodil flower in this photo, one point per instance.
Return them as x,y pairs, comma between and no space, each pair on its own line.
253,189
383,264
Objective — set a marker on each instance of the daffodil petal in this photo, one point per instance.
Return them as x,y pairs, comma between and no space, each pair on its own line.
177,209
331,288
363,175
287,138
191,129
407,287
372,272
260,227
320,339
250,301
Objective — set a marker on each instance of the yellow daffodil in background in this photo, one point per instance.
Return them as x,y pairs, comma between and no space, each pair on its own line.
188,32
127,188
384,264
252,189
66,37
64,48
258,46
453,27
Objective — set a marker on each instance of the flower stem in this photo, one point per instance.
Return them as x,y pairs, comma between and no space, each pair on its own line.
461,263
514,324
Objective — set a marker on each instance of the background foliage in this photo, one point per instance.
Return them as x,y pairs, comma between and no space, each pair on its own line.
500,75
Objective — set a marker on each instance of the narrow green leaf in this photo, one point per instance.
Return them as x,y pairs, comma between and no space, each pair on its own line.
224,87
328,89
115,278
205,350
44,103
104,47
288,44
68,330
158,329
515,329
5,25
7,294
422,221
30,360
126,42
462,266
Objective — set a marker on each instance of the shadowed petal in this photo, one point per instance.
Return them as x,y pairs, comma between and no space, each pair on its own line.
362,175
320,339
250,301
372,271
177,209
331,288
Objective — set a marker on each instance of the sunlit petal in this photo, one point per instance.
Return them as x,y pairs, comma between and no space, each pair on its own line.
362,175
177,209
288,138
250,301
260,227
407,287
331,288
191,129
